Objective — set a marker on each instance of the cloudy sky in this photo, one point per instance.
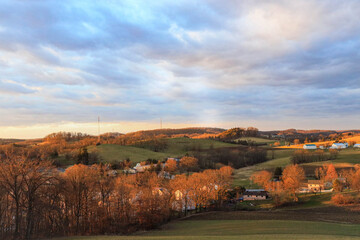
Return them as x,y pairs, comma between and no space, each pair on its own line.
268,64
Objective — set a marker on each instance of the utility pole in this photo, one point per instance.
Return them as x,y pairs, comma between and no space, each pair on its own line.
98,129
160,123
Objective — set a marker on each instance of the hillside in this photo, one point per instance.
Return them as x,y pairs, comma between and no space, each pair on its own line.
177,147
4,141
171,133
355,139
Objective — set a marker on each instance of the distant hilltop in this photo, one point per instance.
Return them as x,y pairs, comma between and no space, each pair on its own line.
191,132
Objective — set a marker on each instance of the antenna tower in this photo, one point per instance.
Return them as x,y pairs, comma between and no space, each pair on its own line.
99,129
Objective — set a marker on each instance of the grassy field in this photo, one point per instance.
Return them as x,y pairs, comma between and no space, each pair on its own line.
355,139
112,153
177,147
257,140
244,229
281,159
180,146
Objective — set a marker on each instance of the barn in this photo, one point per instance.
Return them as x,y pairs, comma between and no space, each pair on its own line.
309,146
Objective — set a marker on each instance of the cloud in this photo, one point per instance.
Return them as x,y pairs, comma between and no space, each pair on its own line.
11,87
206,61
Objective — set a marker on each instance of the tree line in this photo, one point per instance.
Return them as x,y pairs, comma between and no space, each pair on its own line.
284,188
36,200
305,156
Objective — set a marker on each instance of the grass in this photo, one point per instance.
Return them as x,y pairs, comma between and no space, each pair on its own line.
242,175
180,146
257,140
245,229
312,200
112,153
177,147
282,157
349,155
355,139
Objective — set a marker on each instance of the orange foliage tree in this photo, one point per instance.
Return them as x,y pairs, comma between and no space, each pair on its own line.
292,177
262,178
189,163
171,166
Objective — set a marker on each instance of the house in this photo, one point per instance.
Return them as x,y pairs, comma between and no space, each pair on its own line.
182,202
175,159
339,145
357,145
315,185
129,171
142,168
255,194
309,146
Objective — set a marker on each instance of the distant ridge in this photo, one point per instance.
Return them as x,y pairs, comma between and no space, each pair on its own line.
192,132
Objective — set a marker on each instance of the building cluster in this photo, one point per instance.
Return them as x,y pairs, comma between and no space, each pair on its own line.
311,146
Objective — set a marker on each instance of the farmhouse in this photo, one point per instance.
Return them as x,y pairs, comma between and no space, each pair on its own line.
339,145
142,168
175,159
309,146
255,194
315,185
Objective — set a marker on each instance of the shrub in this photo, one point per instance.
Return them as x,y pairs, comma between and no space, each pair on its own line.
341,199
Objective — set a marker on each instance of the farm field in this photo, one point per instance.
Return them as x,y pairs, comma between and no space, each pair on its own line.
244,229
281,159
180,146
257,140
355,139
111,153
177,147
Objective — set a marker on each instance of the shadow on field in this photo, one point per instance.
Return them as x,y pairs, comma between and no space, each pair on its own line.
323,214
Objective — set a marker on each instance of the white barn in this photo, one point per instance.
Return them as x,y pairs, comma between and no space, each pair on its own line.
339,145
309,146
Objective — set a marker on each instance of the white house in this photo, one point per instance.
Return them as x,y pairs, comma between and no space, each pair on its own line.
142,168
357,145
309,146
339,145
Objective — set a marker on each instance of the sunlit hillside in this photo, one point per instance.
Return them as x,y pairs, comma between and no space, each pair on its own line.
354,139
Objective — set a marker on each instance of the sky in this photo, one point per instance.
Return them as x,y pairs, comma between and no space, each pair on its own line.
268,64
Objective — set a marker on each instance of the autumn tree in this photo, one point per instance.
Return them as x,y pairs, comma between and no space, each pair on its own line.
181,187
262,178
83,156
331,173
171,166
189,163
80,185
338,186
326,173
279,193
35,175
354,178
11,180
292,177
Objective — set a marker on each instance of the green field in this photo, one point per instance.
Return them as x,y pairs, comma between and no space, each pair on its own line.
281,159
180,146
257,140
244,229
177,147
111,153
